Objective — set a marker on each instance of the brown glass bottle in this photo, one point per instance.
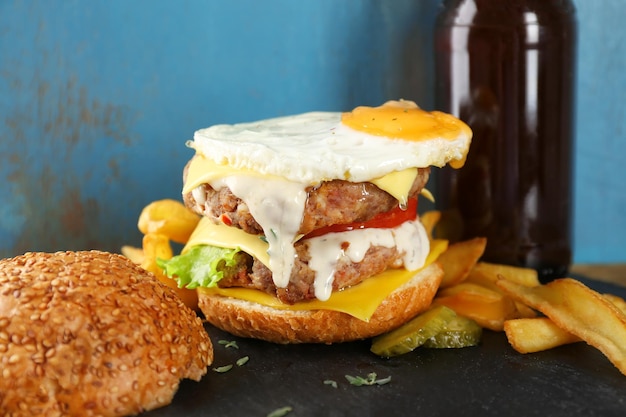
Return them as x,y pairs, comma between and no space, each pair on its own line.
507,68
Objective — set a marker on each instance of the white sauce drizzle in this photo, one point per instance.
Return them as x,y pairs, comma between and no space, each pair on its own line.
410,238
278,207
199,195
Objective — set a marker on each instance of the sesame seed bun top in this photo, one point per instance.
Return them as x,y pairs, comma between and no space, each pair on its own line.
90,333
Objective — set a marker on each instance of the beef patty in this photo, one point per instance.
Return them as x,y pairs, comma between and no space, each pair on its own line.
251,273
331,202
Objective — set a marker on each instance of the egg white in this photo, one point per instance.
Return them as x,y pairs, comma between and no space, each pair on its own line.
315,146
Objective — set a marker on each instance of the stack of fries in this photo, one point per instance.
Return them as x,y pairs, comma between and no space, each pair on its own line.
163,222
534,316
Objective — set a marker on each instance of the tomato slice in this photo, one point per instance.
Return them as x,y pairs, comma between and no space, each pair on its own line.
392,218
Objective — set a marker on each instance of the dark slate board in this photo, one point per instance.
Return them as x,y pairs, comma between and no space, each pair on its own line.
489,380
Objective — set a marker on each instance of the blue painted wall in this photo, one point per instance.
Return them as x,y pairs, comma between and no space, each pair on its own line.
98,97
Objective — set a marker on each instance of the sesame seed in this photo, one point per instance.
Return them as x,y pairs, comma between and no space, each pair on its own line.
38,357
14,358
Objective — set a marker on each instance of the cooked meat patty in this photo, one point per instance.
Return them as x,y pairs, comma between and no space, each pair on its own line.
250,273
332,202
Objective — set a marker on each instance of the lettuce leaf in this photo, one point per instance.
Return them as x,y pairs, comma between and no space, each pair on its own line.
201,266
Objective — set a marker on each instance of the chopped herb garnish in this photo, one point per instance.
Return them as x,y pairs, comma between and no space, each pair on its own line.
370,380
243,360
280,412
229,343
222,369
331,383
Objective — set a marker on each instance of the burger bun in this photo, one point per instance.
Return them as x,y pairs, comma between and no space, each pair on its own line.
248,319
91,334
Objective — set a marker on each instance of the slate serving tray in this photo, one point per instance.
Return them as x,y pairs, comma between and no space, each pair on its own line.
491,379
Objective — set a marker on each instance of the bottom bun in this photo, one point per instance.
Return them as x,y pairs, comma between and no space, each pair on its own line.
248,319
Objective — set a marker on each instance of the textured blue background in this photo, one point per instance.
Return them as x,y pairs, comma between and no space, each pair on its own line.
98,97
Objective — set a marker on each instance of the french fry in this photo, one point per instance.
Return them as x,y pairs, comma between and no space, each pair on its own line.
170,218
577,309
460,259
157,246
486,274
133,253
523,311
618,301
529,335
489,308
430,219
484,293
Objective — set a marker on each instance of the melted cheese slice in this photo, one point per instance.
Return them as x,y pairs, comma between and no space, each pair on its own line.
359,301
220,235
203,170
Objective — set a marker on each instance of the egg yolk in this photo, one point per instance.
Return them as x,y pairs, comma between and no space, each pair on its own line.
404,120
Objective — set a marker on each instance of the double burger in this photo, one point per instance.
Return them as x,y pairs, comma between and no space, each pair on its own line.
310,231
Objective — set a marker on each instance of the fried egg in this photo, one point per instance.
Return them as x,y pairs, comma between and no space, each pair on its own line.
366,143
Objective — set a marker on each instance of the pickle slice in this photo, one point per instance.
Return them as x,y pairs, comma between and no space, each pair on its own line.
457,333
414,333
